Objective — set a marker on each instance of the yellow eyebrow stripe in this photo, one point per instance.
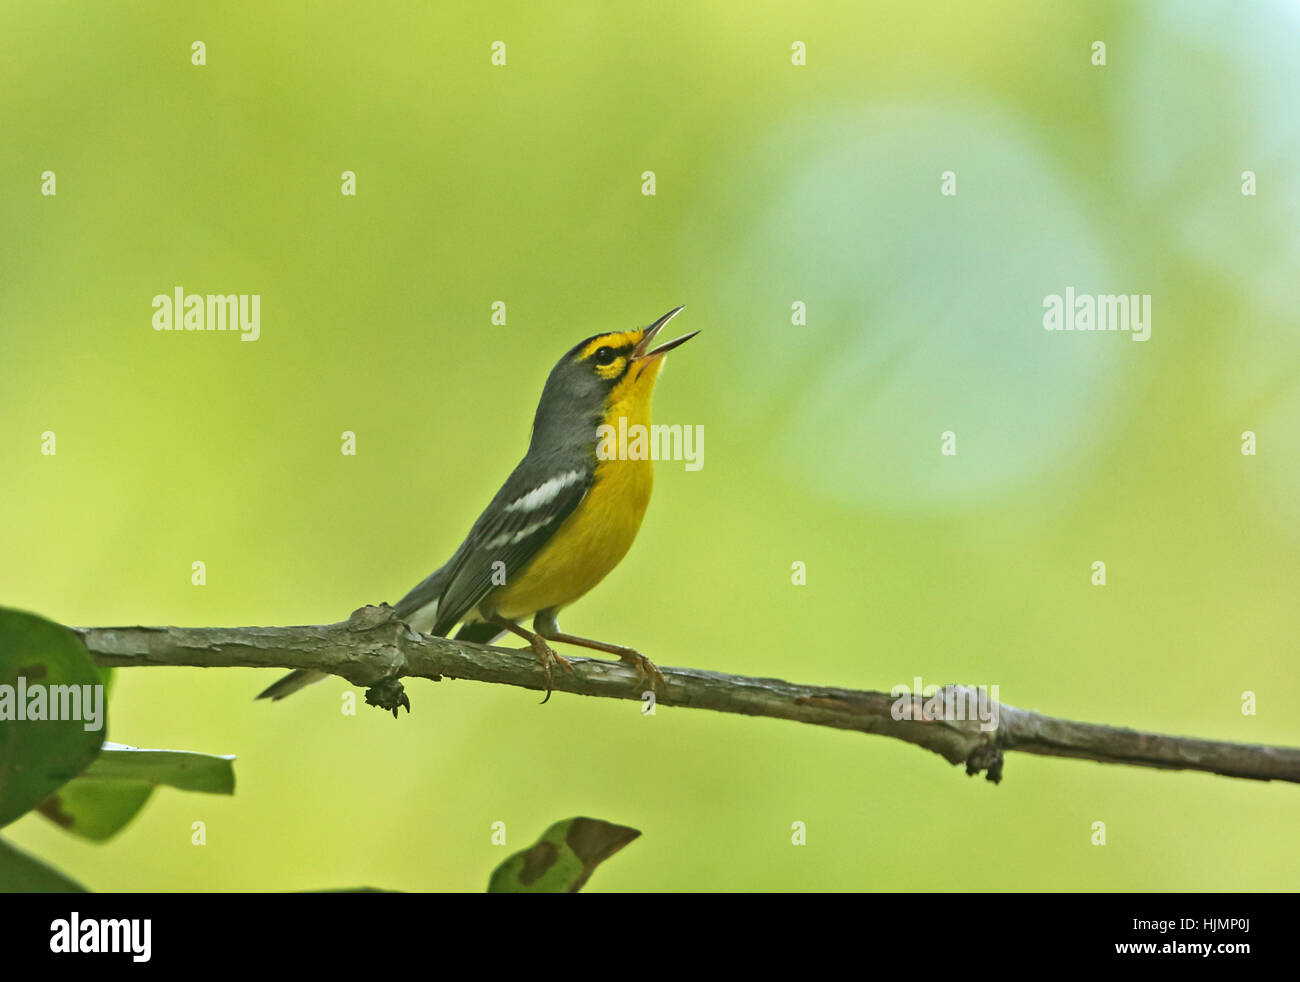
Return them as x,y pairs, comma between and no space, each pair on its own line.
616,340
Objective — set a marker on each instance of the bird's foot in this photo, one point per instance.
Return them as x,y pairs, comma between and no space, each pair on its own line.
549,658
646,670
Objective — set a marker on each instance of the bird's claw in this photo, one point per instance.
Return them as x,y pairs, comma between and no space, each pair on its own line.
549,658
646,670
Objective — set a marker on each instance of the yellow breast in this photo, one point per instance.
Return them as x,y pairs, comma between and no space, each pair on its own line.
598,533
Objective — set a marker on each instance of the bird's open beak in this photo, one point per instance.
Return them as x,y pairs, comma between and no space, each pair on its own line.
641,353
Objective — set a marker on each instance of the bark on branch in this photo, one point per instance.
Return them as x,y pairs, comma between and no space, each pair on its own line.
374,649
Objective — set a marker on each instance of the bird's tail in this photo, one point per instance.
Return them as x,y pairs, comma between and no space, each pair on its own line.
299,678
419,609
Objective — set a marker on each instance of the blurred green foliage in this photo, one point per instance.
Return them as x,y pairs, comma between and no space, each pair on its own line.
54,760
775,184
563,859
49,731
120,780
21,873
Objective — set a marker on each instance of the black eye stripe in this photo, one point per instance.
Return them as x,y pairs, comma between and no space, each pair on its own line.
605,354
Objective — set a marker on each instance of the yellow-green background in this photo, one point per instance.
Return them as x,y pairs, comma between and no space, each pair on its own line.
775,184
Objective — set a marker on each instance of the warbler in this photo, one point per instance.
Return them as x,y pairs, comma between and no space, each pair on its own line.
564,518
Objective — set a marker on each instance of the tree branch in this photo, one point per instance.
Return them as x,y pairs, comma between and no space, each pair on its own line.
374,649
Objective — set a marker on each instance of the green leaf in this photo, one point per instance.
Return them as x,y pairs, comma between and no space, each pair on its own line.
184,769
21,873
39,755
96,810
120,781
563,859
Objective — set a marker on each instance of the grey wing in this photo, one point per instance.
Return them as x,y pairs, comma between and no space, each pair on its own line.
521,518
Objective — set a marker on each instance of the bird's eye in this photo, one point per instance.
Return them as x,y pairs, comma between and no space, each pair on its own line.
604,356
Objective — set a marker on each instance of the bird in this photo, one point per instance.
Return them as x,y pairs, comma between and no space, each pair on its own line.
563,519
